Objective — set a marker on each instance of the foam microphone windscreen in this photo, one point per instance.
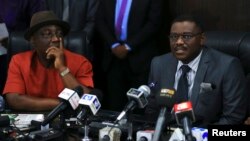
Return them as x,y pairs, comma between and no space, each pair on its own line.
166,98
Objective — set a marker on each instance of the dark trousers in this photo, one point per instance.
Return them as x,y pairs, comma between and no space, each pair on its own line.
120,78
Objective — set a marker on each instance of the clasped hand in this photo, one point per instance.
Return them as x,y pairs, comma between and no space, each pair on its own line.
57,54
120,51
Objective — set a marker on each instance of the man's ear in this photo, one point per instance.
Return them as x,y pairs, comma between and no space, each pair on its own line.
32,42
203,39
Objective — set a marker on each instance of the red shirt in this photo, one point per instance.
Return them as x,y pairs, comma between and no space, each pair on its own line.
26,75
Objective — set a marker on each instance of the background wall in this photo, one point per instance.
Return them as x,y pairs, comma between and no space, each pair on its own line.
217,14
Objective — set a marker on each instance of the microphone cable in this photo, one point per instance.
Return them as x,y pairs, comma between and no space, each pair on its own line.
19,131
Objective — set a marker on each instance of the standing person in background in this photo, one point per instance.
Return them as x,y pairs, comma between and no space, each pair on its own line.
215,82
36,77
16,16
80,14
129,30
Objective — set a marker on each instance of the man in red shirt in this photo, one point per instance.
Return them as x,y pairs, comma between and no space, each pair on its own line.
35,78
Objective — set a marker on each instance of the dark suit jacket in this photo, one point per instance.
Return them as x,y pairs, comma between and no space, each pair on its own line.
143,27
81,14
17,14
224,104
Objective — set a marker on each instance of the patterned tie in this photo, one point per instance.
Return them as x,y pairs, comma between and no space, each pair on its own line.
120,18
182,88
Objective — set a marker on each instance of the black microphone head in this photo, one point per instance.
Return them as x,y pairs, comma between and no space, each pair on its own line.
166,98
143,139
4,121
79,90
98,93
106,138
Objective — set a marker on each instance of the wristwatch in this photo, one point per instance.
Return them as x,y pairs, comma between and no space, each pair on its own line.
63,73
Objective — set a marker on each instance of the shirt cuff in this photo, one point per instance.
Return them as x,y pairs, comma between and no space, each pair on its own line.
128,47
115,45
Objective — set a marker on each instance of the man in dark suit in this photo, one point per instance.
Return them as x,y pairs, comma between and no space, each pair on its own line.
127,56
216,82
80,14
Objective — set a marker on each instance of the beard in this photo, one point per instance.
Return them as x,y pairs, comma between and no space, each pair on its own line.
48,63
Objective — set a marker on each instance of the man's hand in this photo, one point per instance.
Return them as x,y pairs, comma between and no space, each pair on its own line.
58,55
247,121
120,51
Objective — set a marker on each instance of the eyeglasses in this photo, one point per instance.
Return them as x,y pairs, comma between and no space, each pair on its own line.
185,36
49,34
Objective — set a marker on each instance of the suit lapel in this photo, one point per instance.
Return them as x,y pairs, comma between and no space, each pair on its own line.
169,76
112,13
58,8
72,6
134,4
199,78
131,12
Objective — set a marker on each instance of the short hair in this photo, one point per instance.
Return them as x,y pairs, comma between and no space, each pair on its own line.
190,18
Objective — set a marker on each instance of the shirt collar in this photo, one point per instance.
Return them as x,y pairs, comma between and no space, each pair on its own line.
193,64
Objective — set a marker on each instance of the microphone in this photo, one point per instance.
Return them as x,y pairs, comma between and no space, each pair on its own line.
4,121
110,134
69,97
137,98
200,134
105,138
165,100
184,116
90,101
146,135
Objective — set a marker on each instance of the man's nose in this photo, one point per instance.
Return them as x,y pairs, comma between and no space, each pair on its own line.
55,37
180,40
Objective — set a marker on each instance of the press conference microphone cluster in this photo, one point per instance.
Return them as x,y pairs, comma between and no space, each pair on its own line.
69,98
185,116
137,98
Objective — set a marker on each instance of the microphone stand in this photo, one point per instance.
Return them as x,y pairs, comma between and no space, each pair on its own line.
86,131
61,124
160,121
130,127
86,127
62,121
188,130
